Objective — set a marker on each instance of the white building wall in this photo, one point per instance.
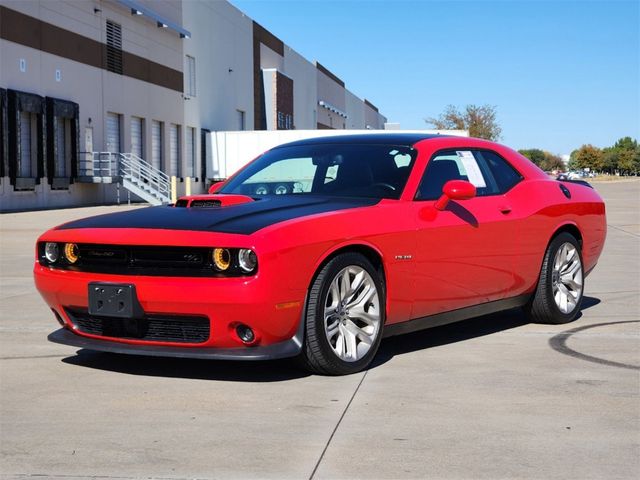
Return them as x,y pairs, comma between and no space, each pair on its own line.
355,111
95,90
305,100
373,119
222,44
333,93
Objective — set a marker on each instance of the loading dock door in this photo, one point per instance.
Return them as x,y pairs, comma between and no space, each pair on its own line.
174,149
61,147
136,136
25,145
113,133
156,144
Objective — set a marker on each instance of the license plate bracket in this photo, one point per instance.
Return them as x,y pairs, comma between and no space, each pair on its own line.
114,300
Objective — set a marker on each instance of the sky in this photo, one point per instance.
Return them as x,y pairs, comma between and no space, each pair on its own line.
560,73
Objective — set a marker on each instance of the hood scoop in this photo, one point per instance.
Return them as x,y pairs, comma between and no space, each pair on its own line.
212,201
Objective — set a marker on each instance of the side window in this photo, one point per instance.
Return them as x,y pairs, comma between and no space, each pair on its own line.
504,174
486,170
454,165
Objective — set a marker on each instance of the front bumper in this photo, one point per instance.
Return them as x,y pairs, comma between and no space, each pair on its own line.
270,308
285,349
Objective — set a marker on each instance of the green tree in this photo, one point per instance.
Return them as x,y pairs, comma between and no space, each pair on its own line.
628,152
610,160
552,162
480,121
623,157
534,154
543,159
587,156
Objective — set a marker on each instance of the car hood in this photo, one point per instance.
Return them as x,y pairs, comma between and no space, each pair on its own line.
245,218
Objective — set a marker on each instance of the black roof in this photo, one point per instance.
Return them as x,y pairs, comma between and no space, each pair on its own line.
400,139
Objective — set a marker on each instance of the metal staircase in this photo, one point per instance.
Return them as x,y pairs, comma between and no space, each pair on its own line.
129,170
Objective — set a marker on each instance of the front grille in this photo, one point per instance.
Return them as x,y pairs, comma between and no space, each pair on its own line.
146,260
142,260
152,327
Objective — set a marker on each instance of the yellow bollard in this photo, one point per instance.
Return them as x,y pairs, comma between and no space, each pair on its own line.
188,186
174,186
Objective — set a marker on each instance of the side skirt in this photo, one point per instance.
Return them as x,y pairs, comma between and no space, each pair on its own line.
455,315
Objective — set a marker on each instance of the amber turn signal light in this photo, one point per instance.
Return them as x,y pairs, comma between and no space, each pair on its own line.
71,252
221,259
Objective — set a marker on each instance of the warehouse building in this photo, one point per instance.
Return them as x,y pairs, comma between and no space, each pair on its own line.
90,87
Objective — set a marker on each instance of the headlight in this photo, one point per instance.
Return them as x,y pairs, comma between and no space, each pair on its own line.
71,252
247,260
51,252
221,259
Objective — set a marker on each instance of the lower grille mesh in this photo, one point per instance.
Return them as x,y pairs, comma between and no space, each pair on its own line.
161,328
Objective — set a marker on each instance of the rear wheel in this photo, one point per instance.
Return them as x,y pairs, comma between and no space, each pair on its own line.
344,317
560,287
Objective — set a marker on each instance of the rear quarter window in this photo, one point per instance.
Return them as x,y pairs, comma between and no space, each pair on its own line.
505,176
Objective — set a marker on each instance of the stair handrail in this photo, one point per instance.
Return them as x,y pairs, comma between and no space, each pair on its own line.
126,166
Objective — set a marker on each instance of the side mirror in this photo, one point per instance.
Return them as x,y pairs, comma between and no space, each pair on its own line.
455,190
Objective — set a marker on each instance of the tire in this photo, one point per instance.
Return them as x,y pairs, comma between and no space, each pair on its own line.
348,340
558,297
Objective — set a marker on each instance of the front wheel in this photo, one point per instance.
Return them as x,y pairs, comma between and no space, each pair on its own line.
345,316
560,287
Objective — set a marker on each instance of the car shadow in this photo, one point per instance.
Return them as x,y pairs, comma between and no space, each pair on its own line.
195,369
458,332
447,334
287,369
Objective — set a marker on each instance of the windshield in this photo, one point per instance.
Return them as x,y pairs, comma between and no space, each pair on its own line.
374,171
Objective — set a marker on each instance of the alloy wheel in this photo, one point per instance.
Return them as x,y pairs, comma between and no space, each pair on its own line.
566,281
352,314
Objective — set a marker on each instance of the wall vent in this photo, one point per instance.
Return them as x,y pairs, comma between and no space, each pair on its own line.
114,47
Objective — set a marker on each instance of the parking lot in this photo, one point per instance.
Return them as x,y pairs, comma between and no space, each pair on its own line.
493,397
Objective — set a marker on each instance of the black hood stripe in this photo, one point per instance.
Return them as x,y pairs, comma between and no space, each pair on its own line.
245,218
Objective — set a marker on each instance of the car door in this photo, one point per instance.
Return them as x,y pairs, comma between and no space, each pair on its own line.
465,253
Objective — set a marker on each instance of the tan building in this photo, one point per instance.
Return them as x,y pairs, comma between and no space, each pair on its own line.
143,81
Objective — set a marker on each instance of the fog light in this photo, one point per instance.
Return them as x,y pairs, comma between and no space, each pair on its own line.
71,252
245,334
221,259
51,252
247,260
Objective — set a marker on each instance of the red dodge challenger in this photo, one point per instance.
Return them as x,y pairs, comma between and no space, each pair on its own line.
320,248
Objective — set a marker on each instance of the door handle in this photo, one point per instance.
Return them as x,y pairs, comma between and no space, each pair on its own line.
505,209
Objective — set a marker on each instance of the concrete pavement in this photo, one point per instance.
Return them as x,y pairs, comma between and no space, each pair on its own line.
492,397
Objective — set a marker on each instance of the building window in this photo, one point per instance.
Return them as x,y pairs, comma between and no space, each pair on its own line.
241,120
114,47
190,151
190,69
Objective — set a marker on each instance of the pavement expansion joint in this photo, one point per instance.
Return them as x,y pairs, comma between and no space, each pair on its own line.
335,429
